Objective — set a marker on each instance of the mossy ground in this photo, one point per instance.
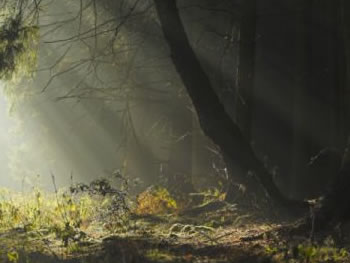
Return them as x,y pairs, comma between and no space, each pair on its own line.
69,229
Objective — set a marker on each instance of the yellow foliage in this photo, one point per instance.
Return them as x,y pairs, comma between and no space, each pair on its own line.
40,210
155,200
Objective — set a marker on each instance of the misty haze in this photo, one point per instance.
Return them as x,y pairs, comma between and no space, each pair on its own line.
175,131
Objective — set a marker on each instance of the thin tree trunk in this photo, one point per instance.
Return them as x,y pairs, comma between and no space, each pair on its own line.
345,31
213,118
301,118
244,107
335,206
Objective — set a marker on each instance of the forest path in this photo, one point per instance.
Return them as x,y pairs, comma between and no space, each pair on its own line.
224,235
214,237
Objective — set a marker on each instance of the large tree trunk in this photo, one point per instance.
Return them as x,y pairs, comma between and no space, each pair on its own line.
244,100
335,206
213,118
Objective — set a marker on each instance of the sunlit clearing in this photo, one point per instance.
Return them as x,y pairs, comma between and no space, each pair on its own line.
7,141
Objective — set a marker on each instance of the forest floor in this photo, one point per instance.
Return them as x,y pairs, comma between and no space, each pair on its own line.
223,233
216,236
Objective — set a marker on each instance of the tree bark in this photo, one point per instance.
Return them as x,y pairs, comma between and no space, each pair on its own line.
301,104
335,206
244,107
345,37
213,118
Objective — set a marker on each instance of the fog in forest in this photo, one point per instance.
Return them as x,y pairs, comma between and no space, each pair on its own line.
114,101
174,131
78,122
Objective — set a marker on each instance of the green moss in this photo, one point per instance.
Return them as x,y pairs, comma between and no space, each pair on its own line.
159,256
307,252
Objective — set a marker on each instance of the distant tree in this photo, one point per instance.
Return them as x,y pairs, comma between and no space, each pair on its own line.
301,103
247,39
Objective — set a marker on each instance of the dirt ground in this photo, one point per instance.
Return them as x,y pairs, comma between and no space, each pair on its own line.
228,234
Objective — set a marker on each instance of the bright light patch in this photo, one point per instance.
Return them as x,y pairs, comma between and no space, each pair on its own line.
7,139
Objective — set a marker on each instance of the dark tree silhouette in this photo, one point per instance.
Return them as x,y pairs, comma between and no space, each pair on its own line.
214,120
218,125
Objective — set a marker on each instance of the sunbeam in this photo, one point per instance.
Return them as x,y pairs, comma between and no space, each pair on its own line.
160,131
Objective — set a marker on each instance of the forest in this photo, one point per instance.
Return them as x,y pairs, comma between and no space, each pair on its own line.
150,131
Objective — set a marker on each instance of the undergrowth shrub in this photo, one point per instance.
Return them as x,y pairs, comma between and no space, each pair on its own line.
18,41
155,200
114,202
69,215
308,252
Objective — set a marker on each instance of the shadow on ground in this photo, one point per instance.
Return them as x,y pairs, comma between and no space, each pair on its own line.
143,250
